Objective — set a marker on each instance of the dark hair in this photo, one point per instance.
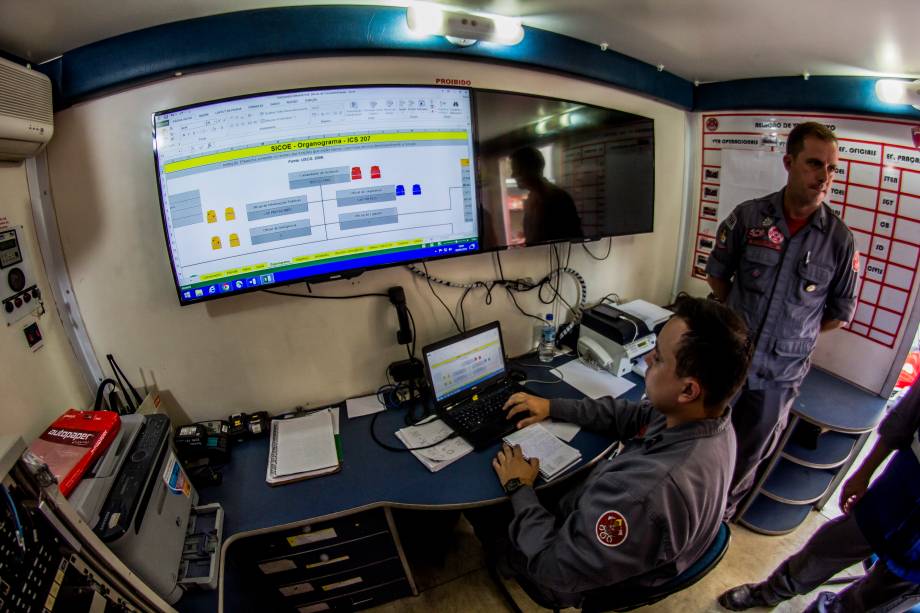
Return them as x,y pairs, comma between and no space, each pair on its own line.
714,350
795,142
529,158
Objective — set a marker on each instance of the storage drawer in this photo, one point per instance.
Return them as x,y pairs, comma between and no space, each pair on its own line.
363,599
324,533
328,559
338,584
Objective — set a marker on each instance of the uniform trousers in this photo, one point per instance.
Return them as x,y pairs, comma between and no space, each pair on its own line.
491,527
837,545
759,418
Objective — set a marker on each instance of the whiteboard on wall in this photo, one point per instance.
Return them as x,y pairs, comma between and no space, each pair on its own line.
748,174
876,192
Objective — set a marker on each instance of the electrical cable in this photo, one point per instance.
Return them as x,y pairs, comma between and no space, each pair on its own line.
606,255
515,302
20,533
133,400
435,294
518,285
404,449
501,273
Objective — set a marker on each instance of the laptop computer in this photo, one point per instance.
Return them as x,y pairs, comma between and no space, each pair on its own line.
469,381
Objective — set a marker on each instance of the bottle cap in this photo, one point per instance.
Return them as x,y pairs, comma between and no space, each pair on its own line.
549,317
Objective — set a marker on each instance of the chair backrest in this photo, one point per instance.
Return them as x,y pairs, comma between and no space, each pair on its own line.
620,598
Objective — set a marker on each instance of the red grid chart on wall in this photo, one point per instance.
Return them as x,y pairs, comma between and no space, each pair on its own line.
876,192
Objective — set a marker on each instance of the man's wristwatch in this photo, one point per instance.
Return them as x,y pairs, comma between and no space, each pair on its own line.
512,485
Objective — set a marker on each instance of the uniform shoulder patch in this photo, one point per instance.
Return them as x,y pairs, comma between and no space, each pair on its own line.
611,529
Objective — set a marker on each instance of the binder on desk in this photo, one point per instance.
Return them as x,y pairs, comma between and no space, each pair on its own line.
302,448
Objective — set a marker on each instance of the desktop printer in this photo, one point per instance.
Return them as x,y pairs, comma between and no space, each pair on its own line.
141,504
616,337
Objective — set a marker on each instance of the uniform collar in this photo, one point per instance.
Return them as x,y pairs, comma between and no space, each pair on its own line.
703,428
774,208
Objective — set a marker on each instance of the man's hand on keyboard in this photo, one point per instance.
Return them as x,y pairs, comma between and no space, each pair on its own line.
536,407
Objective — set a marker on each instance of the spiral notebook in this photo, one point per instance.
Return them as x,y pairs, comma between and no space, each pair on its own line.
302,447
538,442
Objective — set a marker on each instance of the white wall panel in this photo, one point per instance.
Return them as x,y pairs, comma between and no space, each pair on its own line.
259,351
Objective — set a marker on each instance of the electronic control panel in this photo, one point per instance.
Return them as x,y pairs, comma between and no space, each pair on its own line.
19,293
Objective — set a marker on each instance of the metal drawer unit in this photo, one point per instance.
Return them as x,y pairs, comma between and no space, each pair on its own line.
326,559
341,563
360,599
316,535
329,587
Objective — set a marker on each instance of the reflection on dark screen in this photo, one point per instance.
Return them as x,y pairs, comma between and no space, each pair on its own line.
552,170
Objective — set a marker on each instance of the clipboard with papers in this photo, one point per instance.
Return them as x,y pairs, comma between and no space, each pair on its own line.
303,447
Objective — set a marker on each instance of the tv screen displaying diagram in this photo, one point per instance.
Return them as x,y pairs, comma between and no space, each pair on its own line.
314,184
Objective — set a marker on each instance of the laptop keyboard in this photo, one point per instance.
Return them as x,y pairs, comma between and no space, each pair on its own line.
483,411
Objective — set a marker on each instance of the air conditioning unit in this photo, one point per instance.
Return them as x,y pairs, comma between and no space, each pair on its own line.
26,114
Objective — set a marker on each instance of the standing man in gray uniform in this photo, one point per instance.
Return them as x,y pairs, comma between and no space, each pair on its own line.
643,516
789,266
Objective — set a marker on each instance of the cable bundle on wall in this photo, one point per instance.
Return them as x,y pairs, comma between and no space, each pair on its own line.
512,286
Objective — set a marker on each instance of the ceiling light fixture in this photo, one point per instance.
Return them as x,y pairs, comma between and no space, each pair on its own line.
462,28
894,91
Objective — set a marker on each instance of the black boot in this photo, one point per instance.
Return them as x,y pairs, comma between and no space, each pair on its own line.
745,597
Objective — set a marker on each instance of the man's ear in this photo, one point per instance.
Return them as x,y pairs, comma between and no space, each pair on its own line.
787,162
690,391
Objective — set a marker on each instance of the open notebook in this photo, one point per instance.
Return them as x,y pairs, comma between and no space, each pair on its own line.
538,442
303,447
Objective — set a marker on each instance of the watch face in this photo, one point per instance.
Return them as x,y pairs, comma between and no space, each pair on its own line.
512,485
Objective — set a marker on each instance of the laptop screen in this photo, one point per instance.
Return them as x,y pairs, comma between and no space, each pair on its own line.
467,362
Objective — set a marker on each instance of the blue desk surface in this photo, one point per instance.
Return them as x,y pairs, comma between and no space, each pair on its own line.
372,476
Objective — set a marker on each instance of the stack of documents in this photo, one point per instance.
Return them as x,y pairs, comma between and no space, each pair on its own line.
537,442
303,447
424,434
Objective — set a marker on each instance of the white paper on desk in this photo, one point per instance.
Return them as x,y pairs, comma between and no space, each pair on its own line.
365,405
563,430
431,432
593,383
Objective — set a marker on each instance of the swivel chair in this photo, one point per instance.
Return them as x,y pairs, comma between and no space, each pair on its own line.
620,597
615,598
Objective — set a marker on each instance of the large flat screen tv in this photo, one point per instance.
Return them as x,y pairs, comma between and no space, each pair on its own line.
552,170
313,184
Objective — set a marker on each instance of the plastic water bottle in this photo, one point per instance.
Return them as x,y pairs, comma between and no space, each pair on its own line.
548,339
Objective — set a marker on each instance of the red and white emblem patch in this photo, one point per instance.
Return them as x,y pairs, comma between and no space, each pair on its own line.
611,529
712,124
856,262
776,237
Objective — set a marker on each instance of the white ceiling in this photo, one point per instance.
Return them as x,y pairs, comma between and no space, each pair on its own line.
705,40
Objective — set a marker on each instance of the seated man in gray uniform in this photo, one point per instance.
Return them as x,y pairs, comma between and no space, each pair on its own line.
643,516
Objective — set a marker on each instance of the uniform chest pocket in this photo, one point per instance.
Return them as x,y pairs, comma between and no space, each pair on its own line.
813,283
757,268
